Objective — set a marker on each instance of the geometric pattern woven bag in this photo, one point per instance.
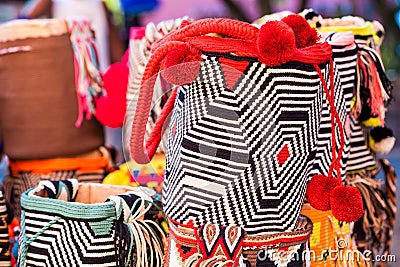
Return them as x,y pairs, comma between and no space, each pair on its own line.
244,128
246,145
139,53
65,223
372,89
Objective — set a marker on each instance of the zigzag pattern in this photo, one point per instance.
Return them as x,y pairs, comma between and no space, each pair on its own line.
67,239
224,144
5,256
360,157
345,59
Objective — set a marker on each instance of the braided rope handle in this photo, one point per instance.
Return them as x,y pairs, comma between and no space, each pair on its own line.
139,56
227,27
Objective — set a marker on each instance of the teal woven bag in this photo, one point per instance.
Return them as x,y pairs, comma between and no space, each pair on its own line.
64,223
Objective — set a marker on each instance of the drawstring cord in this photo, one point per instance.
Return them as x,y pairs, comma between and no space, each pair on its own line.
335,165
25,242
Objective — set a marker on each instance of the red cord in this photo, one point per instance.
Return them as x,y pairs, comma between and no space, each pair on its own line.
155,137
137,149
334,116
229,27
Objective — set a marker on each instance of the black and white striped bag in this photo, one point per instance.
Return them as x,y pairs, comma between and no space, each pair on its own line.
66,223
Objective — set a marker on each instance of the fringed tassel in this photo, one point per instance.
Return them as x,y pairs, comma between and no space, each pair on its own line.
385,83
140,242
372,100
390,190
371,231
88,81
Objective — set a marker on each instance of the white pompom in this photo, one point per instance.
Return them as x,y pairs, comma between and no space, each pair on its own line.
384,146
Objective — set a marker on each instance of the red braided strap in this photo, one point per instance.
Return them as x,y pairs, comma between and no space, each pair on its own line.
137,149
156,134
228,27
215,44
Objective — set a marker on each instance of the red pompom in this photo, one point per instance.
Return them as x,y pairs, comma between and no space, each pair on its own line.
115,79
181,65
276,43
346,203
110,110
304,33
318,191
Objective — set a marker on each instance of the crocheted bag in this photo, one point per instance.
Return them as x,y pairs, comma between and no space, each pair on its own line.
372,89
48,78
70,224
244,128
139,53
237,142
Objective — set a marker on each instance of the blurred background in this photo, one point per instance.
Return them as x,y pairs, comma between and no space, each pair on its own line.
127,13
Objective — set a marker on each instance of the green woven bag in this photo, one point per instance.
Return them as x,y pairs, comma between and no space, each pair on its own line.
66,223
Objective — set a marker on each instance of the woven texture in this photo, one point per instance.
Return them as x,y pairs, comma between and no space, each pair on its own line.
139,53
225,147
17,185
232,246
43,128
327,231
5,255
57,231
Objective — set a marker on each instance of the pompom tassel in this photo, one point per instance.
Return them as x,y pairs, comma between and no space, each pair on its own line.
305,35
181,65
319,190
276,43
346,203
381,140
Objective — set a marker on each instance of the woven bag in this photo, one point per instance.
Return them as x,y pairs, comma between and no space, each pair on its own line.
206,106
71,224
363,72
139,53
371,87
5,219
42,93
243,132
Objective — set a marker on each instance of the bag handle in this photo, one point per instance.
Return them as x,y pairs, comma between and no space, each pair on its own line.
137,150
227,27
265,40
